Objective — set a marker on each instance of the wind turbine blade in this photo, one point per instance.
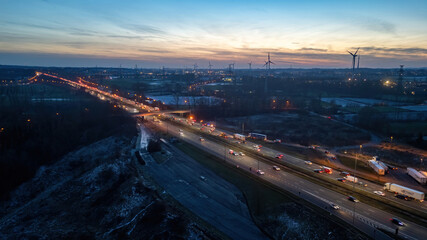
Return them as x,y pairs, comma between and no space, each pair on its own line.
356,51
350,52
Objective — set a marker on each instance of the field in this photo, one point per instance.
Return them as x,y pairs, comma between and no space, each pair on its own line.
300,128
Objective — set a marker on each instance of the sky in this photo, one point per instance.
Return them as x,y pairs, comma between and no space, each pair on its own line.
299,34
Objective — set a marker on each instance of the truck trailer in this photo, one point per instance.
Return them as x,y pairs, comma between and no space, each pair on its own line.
377,167
258,136
351,179
392,187
418,176
239,137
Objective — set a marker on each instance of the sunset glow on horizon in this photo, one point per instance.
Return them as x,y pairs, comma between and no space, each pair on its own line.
154,34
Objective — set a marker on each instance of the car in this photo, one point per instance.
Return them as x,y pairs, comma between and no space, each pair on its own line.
260,172
180,130
277,140
181,133
400,196
238,142
334,206
379,193
235,154
203,178
230,151
396,221
279,156
276,168
363,184
341,179
353,199
202,139
308,162
318,170
345,174
241,154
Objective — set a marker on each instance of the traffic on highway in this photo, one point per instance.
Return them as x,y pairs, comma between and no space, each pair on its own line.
348,208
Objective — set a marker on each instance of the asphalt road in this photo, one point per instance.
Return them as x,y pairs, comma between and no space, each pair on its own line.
213,199
366,217
370,188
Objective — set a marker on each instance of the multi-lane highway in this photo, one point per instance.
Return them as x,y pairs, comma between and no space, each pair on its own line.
367,187
366,217
362,216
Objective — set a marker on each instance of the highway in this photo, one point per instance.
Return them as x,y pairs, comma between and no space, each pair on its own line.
367,218
265,151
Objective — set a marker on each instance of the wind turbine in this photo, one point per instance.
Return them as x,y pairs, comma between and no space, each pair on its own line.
354,55
210,66
268,63
358,61
250,65
195,67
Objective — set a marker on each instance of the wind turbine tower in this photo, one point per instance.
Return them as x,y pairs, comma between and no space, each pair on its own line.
268,67
268,63
354,55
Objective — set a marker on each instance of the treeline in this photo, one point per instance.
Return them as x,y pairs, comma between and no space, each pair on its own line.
41,123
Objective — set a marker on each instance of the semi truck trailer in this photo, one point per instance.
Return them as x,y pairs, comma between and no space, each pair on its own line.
418,176
392,187
376,167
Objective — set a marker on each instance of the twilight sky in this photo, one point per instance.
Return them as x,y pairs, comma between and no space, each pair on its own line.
303,33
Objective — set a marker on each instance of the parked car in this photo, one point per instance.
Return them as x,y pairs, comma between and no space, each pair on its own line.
341,179
308,162
345,174
318,170
279,156
203,178
241,154
260,172
202,139
276,168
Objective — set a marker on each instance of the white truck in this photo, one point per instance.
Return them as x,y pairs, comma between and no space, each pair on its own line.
351,179
418,176
392,187
239,137
377,167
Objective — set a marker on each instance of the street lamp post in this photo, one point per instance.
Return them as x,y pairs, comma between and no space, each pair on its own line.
354,181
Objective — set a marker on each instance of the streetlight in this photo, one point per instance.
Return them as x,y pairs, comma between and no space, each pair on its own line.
354,181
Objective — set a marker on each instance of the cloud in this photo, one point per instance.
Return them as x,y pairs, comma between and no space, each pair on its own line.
378,25
314,49
394,50
141,28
